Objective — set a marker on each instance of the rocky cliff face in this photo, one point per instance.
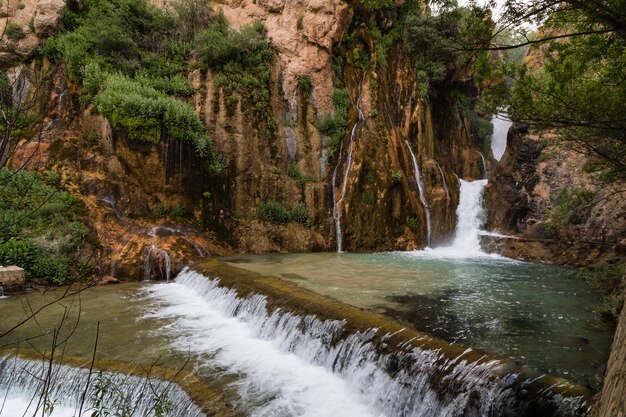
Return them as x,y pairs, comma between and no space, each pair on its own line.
381,194
130,185
540,192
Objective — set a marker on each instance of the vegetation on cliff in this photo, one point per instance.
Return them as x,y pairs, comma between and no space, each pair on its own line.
131,58
40,227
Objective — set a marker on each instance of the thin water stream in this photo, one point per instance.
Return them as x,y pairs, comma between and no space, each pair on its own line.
422,192
337,204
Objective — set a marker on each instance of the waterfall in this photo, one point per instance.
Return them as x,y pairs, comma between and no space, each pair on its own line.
422,192
285,364
337,209
445,183
159,255
470,217
482,158
501,124
22,383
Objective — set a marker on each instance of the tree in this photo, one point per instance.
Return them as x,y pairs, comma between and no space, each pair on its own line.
576,84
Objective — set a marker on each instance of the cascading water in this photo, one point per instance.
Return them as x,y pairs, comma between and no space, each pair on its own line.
470,219
482,158
445,183
23,382
337,209
291,365
501,124
422,192
154,253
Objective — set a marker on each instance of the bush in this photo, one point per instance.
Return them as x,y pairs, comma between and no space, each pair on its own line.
34,209
299,214
14,31
273,212
242,60
334,126
145,113
569,207
294,172
397,176
160,211
305,86
413,223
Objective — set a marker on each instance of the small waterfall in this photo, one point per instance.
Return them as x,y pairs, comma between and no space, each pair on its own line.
292,365
1,290
482,158
154,253
337,209
501,124
422,192
22,383
444,182
110,201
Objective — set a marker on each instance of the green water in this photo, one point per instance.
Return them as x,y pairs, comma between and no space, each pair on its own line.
116,309
536,314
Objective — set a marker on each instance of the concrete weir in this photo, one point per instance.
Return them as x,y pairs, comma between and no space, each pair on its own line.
423,375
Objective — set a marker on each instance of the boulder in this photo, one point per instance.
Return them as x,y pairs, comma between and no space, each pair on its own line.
12,277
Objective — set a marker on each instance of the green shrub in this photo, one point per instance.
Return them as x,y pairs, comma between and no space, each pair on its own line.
242,61
145,113
335,125
569,207
397,176
305,86
299,213
14,32
481,130
273,212
294,172
179,212
413,223
160,211
32,210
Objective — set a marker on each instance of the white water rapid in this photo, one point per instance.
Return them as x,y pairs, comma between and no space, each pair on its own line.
287,365
23,382
422,192
501,124
337,208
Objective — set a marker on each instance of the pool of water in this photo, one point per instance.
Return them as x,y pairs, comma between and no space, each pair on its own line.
534,313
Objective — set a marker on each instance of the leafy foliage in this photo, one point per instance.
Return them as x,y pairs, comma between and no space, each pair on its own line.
294,172
335,125
145,114
14,32
434,41
40,226
413,223
568,206
574,81
131,60
275,212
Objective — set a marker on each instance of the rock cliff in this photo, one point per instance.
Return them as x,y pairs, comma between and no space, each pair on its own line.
132,187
